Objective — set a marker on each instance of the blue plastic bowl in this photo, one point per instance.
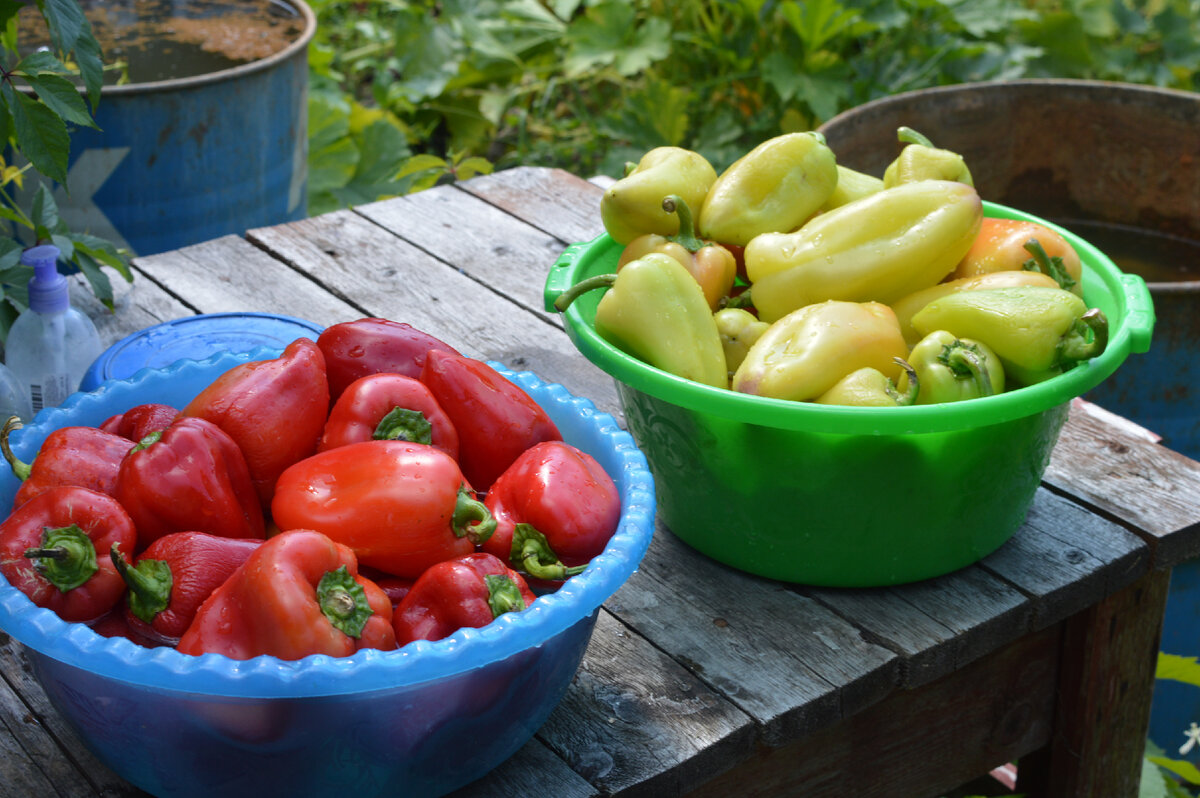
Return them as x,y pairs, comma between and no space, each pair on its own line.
418,721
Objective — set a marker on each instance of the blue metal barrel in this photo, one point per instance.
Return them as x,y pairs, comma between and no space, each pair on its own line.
1119,164
180,161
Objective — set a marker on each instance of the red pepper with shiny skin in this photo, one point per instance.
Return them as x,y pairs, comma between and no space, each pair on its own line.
83,456
274,409
139,421
496,420
556,508
355,349
191,477
52,549
171,578
297,594
468,591
388,407
401,506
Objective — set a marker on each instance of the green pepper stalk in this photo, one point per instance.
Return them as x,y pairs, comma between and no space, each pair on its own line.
954,369
1050,266
66,557
920,160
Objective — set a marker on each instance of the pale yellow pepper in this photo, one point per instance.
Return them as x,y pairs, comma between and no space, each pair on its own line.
773,188
805,353
633,205
878,248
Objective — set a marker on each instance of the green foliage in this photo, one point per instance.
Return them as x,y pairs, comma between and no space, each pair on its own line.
34,125
588,85
1177,668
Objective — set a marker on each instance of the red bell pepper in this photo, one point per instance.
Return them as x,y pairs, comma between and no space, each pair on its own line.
173,576
401,506
496,420
358,348
274,409
139,421
388,407
468,591
49,545
82,456
297,594
189,477
556,508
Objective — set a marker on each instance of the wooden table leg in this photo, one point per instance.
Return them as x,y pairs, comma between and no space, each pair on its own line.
1105,685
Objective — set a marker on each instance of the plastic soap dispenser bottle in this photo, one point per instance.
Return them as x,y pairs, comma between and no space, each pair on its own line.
51,345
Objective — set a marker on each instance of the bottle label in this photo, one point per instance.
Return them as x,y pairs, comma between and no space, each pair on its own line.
51,392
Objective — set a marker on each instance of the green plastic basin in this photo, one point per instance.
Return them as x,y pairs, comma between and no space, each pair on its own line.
847,496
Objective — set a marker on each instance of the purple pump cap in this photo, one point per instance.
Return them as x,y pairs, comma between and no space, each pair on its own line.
48,291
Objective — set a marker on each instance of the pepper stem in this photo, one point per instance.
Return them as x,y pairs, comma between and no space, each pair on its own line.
403,424
472,518
20,469
1050,266
967,362
344,602
149,584
909,396
531,553
66,558
148,441
503,594
909,136
1087,338
686,237
565,299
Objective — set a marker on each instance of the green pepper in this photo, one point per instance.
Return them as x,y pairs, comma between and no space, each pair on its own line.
633,205
878,248
920,160
655,311
1037,331
851,185
739,329
773,188
804,354
951,369
868,387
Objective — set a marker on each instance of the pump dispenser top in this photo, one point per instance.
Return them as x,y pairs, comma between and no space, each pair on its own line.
48,290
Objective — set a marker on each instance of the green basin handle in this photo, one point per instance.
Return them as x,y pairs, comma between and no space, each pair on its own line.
559,278
1140,312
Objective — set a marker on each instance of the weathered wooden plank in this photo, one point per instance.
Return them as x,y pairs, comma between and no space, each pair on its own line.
46,739
783,658
533,769
1109,653
485,242
384,275
1066,558
557,202
937,625
635,723
19,776
918,742
228,274
1150,487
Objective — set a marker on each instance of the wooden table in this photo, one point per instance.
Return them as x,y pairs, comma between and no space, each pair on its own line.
701,680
